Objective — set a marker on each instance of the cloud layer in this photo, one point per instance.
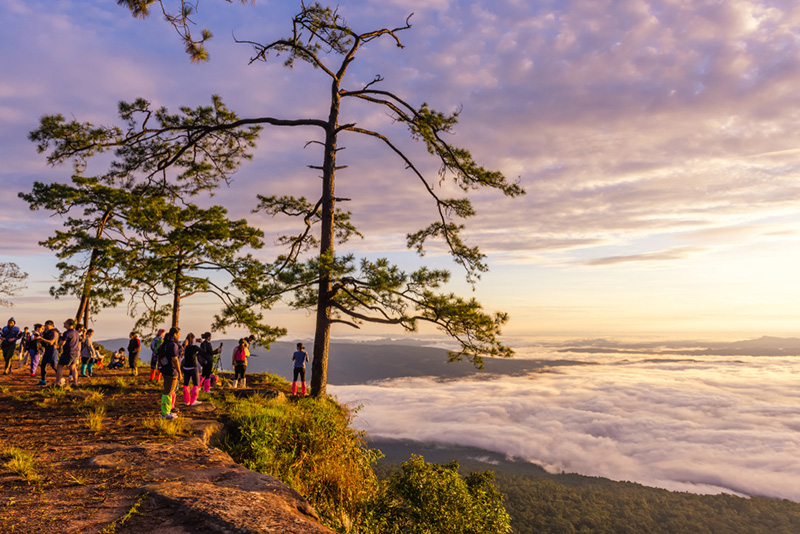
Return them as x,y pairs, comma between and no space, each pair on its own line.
706,426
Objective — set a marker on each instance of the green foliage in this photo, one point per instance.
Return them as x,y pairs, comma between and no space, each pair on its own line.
11,278
426,498
310,446
598,506
154,144
195,149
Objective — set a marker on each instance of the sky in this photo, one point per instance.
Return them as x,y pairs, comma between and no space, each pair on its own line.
658,143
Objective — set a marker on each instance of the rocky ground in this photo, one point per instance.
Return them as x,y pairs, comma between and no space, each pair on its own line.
135,472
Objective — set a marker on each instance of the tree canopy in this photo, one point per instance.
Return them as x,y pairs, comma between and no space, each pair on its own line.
11,281
198,148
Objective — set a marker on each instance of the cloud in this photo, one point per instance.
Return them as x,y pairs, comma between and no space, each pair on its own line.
666,255
706,426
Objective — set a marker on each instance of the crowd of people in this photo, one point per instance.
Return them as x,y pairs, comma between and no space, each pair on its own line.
71,352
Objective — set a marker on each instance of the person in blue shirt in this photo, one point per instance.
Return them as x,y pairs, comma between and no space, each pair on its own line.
300,358
10,335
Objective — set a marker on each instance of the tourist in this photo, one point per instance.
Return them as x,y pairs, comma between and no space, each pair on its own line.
35,347
169,357
23,347
70,353
300,358
207,355
117,359
50,339
190,366
157,341
10,335
134,346
88,354
240,355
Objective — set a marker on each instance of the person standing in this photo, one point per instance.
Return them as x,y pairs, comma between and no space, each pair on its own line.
70,353
134,346
23,347
88,354
190,367
300,358
240,355
35,347
207,355
50,341
169,361
157,341
10,334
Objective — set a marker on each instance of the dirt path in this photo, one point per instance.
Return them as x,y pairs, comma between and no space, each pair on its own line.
84,480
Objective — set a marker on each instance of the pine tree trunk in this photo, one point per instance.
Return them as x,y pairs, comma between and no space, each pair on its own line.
322,332
176,298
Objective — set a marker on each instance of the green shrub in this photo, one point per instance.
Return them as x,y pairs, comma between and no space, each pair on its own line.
426,498
310,446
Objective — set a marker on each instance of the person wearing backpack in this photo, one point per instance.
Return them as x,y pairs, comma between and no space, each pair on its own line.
154,345
207,354
190,366
169,363
240,355
134,346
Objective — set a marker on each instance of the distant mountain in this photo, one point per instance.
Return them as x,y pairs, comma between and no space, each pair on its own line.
763,346
359,363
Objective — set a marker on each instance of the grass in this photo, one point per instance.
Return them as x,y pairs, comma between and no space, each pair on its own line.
169,428
112,528
20,462
95,418
95,399
51,396
309,445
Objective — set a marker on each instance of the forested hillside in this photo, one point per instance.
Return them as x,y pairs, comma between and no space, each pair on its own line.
543,503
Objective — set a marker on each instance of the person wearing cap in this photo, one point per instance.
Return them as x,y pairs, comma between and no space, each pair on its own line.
10,335
157,341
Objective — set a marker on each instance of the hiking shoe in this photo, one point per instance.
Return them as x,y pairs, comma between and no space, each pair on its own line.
42,382
169,416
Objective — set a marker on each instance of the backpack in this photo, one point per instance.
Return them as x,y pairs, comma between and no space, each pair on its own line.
239,355
162,357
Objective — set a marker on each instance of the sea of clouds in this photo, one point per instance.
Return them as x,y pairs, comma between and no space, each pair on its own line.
703,425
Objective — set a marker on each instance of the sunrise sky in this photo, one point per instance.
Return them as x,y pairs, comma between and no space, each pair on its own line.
658,142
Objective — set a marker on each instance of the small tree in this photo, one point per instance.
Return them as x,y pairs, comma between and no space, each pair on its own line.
425,498
92,246
11,278
333,286
181,251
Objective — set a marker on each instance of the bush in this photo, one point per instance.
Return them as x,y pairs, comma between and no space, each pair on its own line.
310,446
426,498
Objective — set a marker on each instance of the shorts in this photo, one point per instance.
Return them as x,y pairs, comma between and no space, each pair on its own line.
68,360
